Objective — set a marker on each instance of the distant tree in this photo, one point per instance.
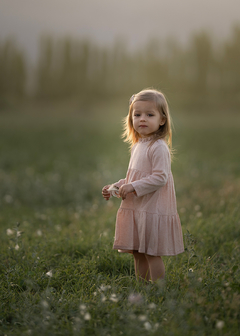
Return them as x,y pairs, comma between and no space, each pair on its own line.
13,74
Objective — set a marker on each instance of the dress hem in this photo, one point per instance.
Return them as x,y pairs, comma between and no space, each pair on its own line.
122,249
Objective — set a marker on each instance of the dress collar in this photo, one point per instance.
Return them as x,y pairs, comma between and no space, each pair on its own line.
150,138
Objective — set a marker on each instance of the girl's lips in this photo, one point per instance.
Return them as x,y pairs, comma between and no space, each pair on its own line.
143,126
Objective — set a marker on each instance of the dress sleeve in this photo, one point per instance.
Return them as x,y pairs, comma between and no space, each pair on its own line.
161,165
120,183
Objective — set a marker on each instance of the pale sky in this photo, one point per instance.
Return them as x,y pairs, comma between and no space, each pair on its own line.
104,20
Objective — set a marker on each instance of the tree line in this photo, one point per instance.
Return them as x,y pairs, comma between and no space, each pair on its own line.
203,71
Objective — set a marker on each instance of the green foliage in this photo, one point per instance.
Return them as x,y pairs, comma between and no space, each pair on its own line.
58,272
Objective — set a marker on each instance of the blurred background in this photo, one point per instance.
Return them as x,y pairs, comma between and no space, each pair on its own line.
57,50
67,70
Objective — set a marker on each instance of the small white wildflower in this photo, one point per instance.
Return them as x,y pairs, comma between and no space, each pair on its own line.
114,298
103,298
152,305
197,207
190,270
199,214
142,317
50,274
87,317
220,324
135,298
39,233
17,247
103,288
19,233
147,326
95,293
200,279
8,198
10,232
82,307
156,325
44,304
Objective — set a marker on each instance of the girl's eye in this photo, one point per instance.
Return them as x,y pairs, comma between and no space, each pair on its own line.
136,115
150,115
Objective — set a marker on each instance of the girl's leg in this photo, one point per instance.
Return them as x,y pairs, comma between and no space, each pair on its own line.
141,266
156,267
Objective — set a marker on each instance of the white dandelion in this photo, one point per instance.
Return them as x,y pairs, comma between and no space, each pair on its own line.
135,298
142,318
220,324
87,317
114,298
10,232
49,273
39,233
147,325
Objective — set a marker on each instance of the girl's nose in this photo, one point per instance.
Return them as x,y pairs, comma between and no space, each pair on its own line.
142,118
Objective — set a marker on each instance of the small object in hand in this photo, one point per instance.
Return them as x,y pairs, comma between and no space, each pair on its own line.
113,190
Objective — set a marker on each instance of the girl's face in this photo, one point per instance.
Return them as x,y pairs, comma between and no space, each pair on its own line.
146,118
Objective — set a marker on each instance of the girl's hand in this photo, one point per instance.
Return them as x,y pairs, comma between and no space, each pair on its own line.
125,189
105,192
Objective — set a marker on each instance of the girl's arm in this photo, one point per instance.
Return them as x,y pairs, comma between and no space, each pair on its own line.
161,166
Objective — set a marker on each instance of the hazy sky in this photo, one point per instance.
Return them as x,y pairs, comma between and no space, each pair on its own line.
104,20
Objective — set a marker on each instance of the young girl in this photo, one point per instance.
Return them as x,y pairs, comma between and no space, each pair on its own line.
148,224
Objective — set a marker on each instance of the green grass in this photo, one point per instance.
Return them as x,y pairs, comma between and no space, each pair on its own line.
53,164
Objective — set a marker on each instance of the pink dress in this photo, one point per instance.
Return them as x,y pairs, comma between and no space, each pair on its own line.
147,220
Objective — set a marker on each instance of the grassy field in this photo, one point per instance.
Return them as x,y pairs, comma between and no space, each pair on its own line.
58,272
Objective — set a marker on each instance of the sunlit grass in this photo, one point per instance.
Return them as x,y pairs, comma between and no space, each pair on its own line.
59,274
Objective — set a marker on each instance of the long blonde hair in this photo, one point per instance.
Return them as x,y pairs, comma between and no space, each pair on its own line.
164,132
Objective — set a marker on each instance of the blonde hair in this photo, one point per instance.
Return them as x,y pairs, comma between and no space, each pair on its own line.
164,132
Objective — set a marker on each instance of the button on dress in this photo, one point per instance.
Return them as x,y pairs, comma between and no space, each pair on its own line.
147,220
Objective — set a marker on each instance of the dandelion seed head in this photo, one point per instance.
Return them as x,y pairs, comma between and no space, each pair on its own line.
44,304
49,273
87,317
17,247
103,288
135,298
142,317
200,279
199,214
152,305
220,324
82,307
197,207
113,298
8,199
147,325
39,233
103,298
10,232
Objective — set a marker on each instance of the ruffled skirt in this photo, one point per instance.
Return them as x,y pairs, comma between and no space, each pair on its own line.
149,233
